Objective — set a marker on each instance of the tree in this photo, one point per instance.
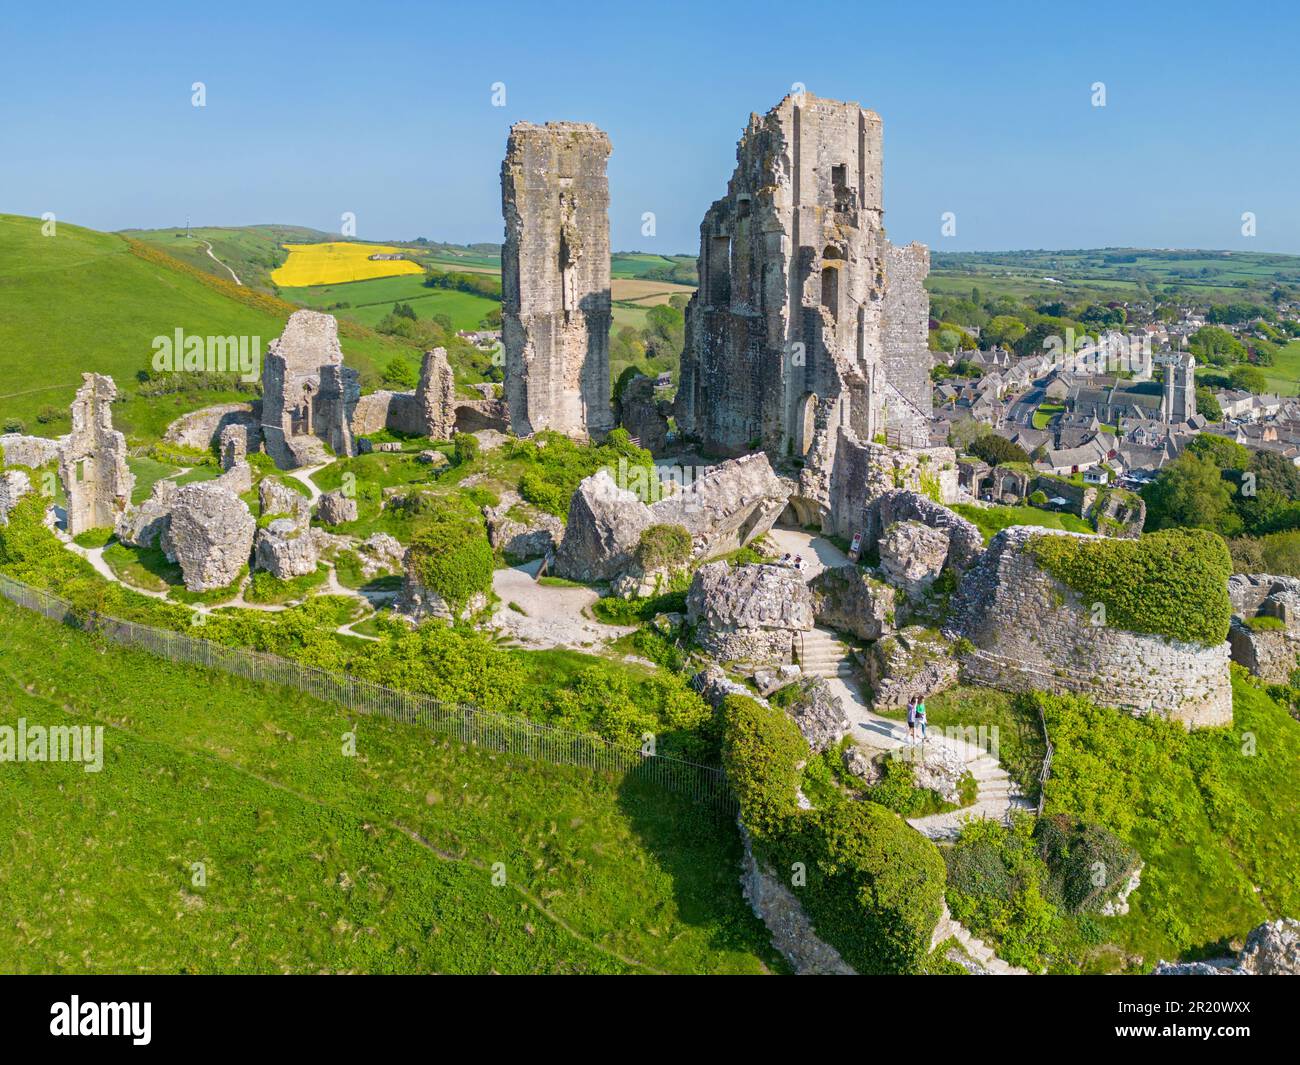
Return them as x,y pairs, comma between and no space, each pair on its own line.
1214,345
401,373
1191,493
1207,405
1224,453
1248,378
1005,330
996,450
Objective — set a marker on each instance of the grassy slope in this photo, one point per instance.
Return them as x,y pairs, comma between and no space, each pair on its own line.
312,859
252,252
992,520
1212,813
81,301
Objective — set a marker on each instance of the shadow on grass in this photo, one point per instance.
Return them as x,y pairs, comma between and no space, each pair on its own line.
698,845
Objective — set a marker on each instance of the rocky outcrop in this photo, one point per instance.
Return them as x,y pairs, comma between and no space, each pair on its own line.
849,599
733,504
752,613
555,288
603,531
965,541
308,395
210,533
335,508
284,546
819,713
1272,949
713,685
912,556
806,320
92,459
912,663
285,549
14,484
32,451
638,411
522,532
144,524
1030,632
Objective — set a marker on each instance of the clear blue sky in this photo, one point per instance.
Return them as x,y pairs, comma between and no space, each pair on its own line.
384,110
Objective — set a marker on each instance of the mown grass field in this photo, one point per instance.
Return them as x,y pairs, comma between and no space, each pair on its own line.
332,262
317,862
82,301
369,301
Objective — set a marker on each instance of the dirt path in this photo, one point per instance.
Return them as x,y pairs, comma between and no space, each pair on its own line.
552,616
208,247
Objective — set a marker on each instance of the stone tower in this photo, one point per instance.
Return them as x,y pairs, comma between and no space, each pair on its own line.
1179,403
555,295
92,459
807,321
308,395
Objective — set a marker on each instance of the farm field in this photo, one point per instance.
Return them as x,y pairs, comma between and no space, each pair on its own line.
84,301
316,862
336,261
369,301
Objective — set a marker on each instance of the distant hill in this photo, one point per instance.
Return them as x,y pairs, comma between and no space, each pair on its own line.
1115,272
82,301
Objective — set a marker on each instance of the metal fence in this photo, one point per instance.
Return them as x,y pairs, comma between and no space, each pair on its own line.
507,733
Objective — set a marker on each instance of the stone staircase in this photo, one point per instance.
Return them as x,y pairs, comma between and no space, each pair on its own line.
976,949
822,655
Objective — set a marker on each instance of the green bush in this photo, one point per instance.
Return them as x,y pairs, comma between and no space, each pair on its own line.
453,558
1038,497
874,886
761,751
466,448
663,547
1086,864
1172,583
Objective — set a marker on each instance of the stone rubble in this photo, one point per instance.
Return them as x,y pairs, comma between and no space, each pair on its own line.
210,533
753,613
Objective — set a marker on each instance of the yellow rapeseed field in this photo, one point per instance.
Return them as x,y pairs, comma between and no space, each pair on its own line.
330,264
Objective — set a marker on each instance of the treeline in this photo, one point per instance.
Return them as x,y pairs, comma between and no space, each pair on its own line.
486,285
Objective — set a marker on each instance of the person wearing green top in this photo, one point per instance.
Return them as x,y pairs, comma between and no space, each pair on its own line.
919,715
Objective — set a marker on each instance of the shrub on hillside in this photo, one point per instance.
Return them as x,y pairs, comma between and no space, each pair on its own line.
874,886
466,448
1086,864
1171,583
453,558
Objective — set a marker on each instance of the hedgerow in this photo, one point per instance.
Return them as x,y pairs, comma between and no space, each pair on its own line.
1172,583
874,887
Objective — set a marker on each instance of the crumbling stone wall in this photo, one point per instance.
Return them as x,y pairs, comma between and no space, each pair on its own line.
1030,632
555,278
753,613
966,542
1271,653
92,459
865,472
806,321
34,451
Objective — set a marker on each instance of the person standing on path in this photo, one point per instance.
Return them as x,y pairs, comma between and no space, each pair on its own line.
919,714
911,720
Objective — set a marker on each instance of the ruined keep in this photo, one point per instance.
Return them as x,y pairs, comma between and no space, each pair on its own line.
308,395
555,292
92,459
808,323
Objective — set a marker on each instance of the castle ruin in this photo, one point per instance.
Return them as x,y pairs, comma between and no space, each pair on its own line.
308,395
92,459
807,322
555,289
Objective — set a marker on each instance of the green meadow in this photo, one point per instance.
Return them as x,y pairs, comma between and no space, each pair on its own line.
229,831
